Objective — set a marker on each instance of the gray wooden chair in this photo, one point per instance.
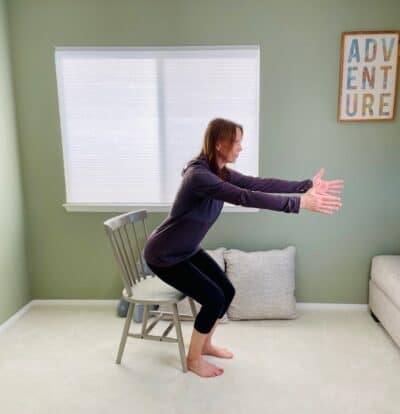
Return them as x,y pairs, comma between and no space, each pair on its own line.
140,288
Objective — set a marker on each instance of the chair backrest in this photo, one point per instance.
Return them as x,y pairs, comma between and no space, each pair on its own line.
127,245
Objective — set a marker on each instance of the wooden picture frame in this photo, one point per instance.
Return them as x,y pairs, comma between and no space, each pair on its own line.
369,67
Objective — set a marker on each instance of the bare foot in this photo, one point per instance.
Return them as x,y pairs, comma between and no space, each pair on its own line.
203,368
218,352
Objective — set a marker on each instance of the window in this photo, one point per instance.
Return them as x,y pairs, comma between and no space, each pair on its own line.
131,118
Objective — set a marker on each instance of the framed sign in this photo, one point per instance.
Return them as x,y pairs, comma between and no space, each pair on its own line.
368,76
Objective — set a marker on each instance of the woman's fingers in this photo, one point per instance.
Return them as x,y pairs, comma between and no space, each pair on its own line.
323,202
329,207
329,198
328,210
328,204
335,187
336,182
331,203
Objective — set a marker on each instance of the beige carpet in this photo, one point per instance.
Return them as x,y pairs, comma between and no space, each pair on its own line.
61,359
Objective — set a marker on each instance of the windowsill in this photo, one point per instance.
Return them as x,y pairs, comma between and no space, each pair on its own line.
151,208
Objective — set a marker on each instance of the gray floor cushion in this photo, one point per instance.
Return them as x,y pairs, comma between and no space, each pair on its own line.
264,283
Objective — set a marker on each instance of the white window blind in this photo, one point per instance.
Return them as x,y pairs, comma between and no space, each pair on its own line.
131,118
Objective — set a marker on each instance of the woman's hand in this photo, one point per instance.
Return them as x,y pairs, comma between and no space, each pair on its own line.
319,202
326,187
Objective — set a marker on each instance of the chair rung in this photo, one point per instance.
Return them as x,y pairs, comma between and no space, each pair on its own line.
182,316
153,324
153,337
169,327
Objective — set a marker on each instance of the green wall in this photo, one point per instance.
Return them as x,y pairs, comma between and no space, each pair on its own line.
14,282
300,44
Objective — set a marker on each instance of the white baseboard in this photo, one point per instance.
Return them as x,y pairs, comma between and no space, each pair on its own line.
338,306
74,302
114,302
15,317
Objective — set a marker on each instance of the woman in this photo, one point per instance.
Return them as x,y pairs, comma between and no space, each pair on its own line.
173,252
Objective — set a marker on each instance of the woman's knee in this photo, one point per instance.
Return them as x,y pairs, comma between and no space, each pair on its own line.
217,301
229,292
210,311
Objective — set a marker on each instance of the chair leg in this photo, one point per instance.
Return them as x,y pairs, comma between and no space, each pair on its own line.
179,335
125,332
145,318
192,306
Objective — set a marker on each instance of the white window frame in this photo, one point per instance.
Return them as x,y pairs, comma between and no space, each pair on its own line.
159,207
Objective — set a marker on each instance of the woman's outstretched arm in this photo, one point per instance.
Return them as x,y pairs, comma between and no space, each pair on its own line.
268,185
205,184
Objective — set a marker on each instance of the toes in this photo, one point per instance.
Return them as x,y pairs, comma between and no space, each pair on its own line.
218,370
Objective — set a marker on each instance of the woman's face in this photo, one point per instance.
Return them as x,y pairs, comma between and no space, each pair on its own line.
227,154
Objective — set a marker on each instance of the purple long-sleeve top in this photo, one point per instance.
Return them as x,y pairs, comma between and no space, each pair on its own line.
199,202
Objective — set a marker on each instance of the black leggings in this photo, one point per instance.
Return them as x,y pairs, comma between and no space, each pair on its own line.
200,278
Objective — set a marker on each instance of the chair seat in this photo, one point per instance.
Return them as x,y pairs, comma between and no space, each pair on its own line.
153,290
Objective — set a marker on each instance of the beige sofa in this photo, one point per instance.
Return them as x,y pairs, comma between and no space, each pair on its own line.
384,293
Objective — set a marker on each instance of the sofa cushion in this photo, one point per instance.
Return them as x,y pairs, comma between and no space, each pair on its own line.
183,305
264,283
385,272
